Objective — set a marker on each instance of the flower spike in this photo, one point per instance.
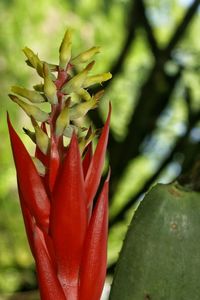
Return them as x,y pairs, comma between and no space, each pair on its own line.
57,186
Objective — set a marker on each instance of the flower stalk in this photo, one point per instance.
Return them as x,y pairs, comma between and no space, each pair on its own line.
66,230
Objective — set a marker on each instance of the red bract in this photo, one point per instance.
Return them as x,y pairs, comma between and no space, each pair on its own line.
66,230
95,249
30,183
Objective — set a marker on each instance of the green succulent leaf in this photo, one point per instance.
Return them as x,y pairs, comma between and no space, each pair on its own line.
160,256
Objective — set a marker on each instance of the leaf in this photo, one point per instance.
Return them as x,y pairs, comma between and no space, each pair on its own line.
50,288
95,169
160,257
30,184
68,219
94,258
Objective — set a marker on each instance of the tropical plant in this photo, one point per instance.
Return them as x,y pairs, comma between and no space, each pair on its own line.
66,228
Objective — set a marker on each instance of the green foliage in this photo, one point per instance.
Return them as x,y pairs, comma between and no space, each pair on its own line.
160,256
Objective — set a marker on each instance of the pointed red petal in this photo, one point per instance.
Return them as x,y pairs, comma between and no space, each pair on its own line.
30,184
28,221
87,159
95,169
68,219
94,259
50,249
54,162
50,288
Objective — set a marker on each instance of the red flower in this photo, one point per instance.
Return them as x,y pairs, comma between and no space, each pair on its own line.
67,231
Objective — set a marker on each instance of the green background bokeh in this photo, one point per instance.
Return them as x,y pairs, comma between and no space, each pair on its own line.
40,25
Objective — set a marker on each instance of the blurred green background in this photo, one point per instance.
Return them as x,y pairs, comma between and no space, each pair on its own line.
152,48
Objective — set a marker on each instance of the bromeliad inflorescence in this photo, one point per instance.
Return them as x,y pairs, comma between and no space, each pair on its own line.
67,233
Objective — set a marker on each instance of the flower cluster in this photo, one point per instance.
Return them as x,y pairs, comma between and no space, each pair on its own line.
66,230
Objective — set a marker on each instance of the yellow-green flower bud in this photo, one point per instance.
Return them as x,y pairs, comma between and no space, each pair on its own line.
31,110
42,139
62,121
65,50
52,67
39,166
84,141
83,94
97,79
33,96
49,86
76,83
80,110
85,56
39,87
34,60
74,98
69,130
30,134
